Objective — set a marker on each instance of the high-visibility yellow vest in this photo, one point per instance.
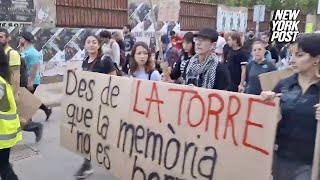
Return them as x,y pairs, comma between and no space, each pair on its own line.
10,130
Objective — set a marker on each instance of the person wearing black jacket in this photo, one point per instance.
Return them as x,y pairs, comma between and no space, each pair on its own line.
188,52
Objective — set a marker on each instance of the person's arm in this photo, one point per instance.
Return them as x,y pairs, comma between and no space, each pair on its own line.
15,62
33,73
243,64
116,53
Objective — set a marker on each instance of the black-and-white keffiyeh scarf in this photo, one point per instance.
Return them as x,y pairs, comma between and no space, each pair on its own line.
204,74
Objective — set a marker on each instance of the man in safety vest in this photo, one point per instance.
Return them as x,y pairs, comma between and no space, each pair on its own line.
10,130
18,79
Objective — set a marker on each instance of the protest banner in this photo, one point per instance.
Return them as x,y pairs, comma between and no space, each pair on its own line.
140,130
269,80
25,108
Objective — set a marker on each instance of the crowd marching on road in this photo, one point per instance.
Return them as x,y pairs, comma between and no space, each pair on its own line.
206,59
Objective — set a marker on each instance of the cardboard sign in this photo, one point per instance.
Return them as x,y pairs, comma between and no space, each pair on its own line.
269,80
27,105
139,129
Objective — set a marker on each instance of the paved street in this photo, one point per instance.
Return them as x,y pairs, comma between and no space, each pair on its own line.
47,160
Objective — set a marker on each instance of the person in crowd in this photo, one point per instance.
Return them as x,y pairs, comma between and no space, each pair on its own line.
256,67
204,69
285,56
98,63
129,40
219,48
300,109
176,40
18,79
188,51
226,48
265,37
10,130
32,58
171,55
249,39
110,47
14,60
141,65
237,63
119,39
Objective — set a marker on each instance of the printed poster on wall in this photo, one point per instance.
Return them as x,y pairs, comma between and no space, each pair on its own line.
232,18
17,13
138,130
20,13
140,18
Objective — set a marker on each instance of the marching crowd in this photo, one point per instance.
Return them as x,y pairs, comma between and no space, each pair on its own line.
228,61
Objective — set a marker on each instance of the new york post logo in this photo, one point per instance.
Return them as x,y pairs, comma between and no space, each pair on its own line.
284,26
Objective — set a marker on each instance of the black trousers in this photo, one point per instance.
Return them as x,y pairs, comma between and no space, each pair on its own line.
6,171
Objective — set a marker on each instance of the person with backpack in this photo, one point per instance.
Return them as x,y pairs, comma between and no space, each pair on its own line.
110,47
119,39
98,63
141,65
18,79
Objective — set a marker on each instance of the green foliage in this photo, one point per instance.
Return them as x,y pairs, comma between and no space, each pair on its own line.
306,6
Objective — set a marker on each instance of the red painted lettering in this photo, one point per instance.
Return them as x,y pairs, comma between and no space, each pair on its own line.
214,112
183,92
154,92
197,96
135,109
230,120
250,123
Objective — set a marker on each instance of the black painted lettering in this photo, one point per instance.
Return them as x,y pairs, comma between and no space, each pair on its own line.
114,93
107,164
87,144
188,146
103,130
89,96
139,136
80,140
70,113
136,170
168,177
82,88
104,152
72,83
99,151
154,176
109,93
174,150
126,128
83,142
88,115
210,165
157,142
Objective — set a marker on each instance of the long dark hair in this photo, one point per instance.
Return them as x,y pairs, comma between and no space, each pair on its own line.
4,65
188,37
134,65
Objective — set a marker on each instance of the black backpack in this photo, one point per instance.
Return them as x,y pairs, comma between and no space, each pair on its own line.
23,71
